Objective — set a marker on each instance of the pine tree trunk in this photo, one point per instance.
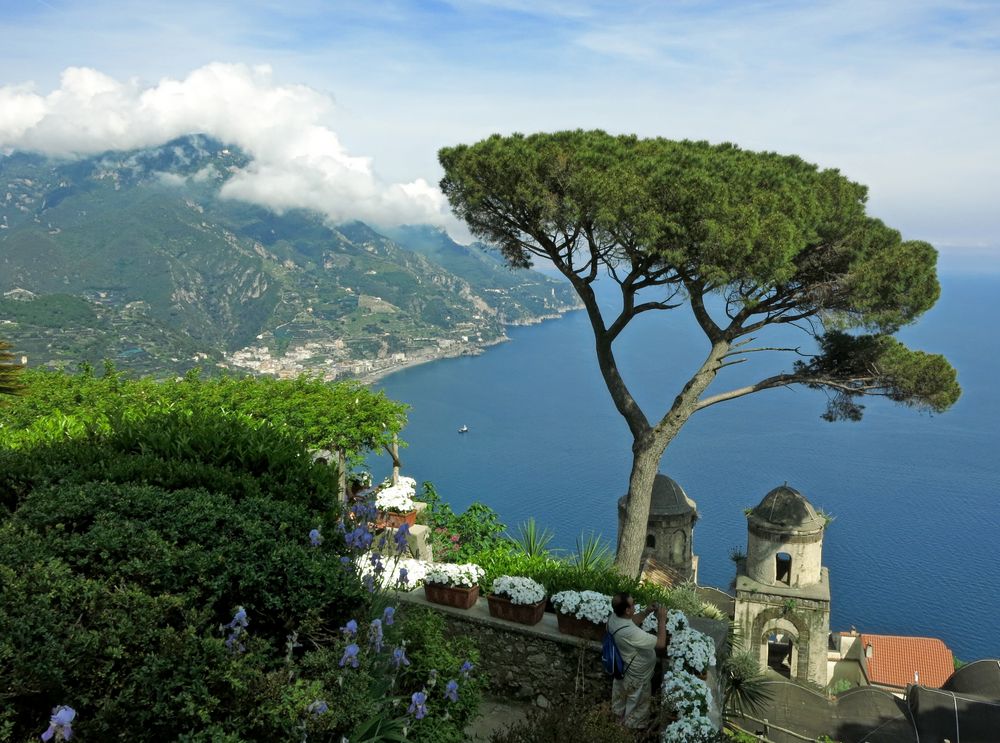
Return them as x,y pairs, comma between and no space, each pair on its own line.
632,541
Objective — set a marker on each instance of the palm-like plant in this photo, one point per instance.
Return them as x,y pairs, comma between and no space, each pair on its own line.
531,540
592,552
743,685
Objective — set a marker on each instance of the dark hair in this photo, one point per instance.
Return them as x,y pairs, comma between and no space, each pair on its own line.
619,603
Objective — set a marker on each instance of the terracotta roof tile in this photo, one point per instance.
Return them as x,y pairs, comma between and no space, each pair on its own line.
894,660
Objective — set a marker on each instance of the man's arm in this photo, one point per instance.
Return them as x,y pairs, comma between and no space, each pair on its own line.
640,617
661,628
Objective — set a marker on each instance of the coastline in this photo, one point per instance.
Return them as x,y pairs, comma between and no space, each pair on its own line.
471,350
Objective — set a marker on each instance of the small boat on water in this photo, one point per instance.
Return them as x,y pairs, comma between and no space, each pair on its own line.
463,429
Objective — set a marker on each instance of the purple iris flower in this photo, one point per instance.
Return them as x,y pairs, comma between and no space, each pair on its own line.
375,634
319,707
233,643
239,618
376,560
451,690
400,537
61,722
315,538
466,668
369,582
418,705
351,628
399,657
403,578
388,615
350,656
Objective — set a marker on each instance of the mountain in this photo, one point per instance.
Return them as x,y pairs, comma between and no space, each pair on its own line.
135,256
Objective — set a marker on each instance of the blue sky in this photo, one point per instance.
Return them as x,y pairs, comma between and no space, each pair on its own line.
902,96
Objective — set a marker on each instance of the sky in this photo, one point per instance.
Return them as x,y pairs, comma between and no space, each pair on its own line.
344,105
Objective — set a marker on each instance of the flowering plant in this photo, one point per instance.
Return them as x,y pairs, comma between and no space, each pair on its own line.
694,729
590,605
686,694
519,590
689,647
450,574
396,497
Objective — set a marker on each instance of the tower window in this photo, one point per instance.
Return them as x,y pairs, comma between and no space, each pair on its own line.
650,541
783,568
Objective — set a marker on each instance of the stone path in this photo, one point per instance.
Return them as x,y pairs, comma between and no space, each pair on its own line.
494,715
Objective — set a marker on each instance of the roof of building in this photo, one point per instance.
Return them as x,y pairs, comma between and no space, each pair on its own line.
787,507
660,573
945,715
981,677
897,661
669,498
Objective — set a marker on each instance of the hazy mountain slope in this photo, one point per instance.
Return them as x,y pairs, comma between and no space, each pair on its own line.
170,271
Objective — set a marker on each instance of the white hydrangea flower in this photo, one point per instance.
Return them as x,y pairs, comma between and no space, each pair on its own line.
519,590
450,574
589,605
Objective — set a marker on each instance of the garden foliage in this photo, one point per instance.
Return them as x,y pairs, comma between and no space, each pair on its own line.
172,568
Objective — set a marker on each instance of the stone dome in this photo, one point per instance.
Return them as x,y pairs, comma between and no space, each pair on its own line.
786,508
669,498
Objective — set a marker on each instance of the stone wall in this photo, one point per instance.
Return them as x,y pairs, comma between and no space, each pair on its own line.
538,663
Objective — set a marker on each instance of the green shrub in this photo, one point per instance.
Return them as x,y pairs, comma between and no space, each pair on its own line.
431,649
454,537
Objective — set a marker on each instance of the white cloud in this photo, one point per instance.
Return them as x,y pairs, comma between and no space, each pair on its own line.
298,161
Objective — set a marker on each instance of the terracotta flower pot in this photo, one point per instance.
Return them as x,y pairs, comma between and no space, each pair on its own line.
395,519
571,625
501,607
461,597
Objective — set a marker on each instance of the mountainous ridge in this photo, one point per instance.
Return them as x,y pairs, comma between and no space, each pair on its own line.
174,275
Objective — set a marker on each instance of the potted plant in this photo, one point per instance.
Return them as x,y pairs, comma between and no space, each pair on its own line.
517,599
582,613
395,504
453,585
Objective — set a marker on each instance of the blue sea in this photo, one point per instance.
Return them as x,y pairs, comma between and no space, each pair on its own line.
913,549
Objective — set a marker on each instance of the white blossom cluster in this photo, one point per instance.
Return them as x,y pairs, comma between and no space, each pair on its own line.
675,620
686,694
396,497
519,590
590,605
690,699
690,730
689,647
450,574
416,570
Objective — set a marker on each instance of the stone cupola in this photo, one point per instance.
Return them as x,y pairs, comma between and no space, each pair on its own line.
785,540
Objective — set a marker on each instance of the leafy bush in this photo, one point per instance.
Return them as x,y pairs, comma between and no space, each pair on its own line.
454,537
431,651
559,575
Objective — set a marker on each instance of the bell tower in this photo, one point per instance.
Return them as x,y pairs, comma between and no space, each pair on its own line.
782,588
